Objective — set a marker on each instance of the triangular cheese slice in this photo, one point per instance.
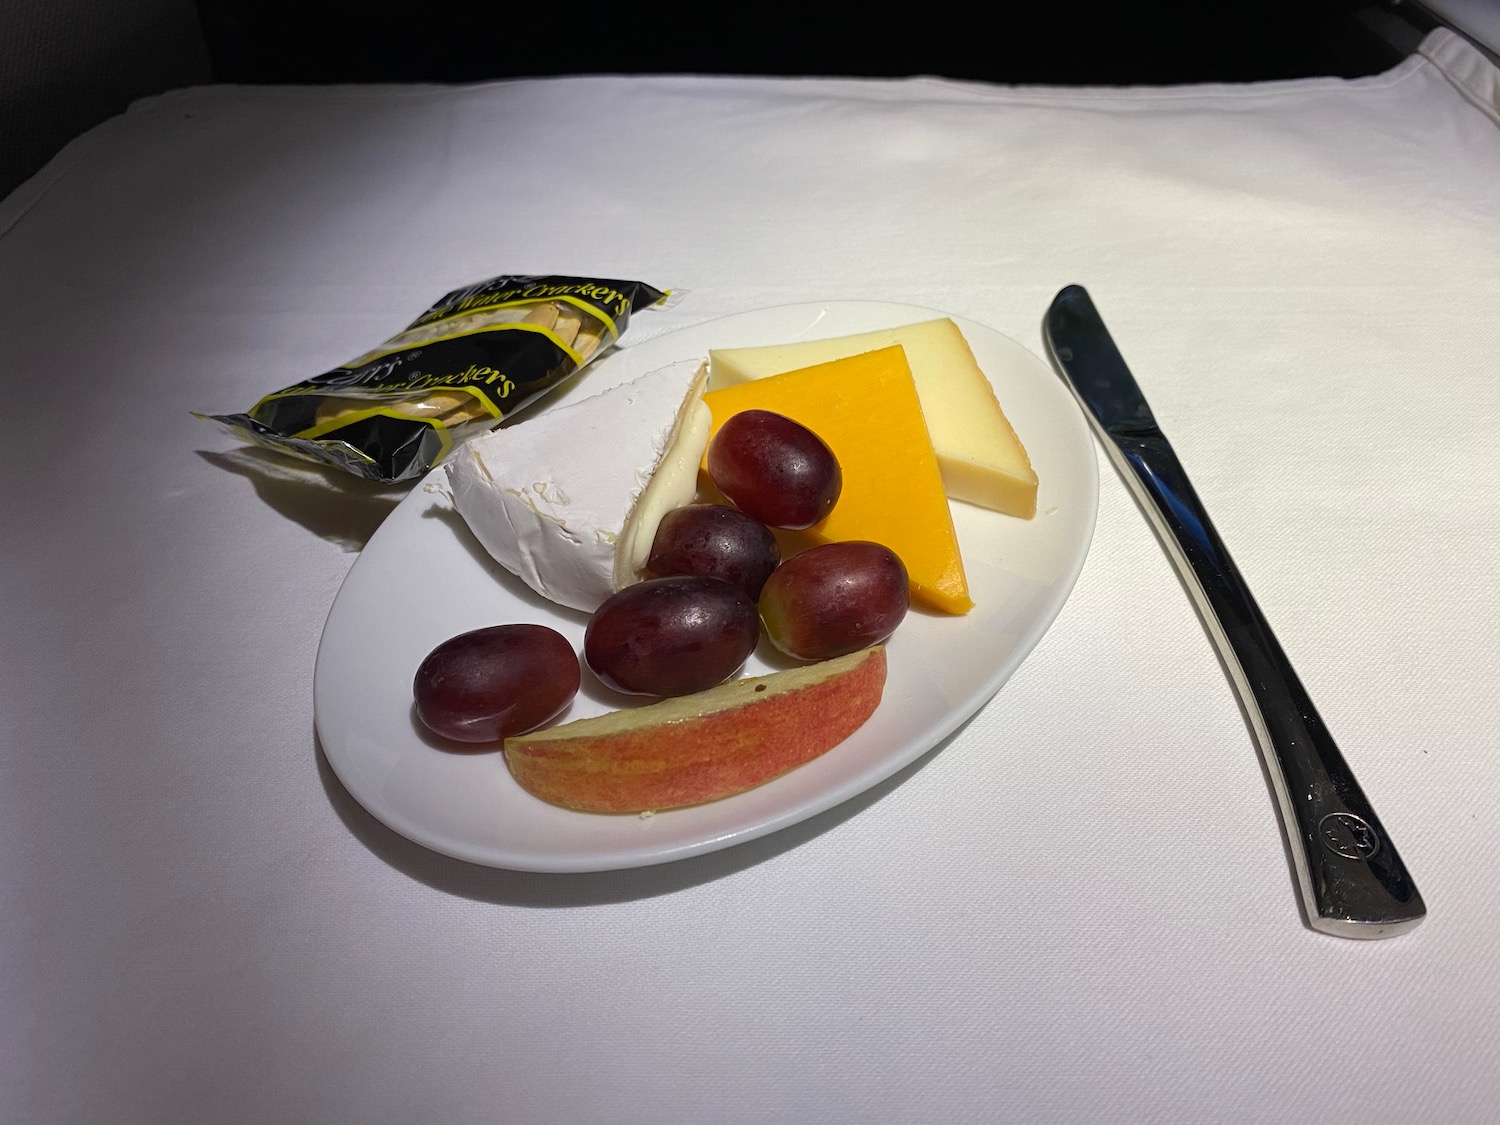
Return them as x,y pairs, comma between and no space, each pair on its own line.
982,460
866,408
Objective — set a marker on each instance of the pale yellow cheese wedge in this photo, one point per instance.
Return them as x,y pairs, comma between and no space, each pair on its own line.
981,459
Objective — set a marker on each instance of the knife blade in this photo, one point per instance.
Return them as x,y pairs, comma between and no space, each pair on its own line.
1349,876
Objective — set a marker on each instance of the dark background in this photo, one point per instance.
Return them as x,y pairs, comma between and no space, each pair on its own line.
1058,43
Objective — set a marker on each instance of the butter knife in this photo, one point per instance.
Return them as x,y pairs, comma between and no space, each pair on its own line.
1350,879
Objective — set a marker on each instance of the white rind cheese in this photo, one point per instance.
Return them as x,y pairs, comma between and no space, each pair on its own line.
979,455
570,500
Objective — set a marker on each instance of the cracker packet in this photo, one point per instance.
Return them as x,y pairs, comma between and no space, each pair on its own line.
476,357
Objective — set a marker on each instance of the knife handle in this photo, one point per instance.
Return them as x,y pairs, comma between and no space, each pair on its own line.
1350,878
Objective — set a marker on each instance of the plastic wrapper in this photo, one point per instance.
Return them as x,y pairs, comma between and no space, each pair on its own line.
476,357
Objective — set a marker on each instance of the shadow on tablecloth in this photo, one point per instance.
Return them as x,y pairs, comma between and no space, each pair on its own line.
526,888
333,505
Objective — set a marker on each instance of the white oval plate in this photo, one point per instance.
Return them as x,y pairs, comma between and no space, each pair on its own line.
423,578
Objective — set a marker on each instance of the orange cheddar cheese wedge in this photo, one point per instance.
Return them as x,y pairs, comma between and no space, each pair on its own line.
981,458
866,408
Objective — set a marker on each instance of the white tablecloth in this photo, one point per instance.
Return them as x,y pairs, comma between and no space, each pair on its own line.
1077,910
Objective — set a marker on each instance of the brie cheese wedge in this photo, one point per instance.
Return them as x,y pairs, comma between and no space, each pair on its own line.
570,500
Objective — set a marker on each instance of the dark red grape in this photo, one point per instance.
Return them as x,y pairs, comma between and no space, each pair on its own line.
485,685
834,599
714,540
775,469
671,636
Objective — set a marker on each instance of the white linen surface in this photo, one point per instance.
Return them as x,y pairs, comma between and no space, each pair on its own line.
1077,910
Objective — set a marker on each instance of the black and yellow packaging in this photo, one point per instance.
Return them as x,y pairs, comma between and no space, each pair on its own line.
477,356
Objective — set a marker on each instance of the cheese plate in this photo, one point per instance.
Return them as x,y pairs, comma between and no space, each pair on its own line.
423,578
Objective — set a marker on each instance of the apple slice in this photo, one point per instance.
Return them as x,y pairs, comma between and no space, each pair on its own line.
701,747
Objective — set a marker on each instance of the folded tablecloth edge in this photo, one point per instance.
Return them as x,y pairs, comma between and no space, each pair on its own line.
1463,65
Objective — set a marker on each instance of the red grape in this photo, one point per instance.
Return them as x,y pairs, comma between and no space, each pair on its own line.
487,684
775,469
834,599
714,540
671,636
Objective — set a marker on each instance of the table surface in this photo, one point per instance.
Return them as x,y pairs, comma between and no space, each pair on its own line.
1078,908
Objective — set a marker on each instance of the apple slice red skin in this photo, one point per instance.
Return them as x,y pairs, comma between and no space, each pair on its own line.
664,756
